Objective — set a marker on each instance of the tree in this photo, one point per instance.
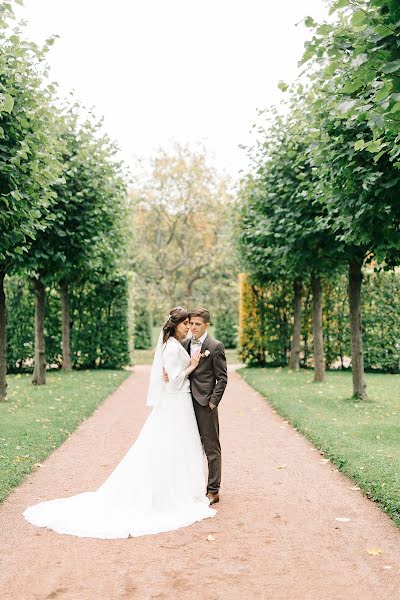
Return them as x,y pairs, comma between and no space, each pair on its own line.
29,159
348,149
85,235
284,234
356,103
182,249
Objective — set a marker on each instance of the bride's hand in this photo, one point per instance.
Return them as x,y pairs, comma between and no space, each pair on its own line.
194,363
195,360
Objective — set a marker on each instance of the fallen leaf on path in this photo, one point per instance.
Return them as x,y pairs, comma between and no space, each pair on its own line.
387,567
355,488
374,551
210,538
281,466
39,465
324,460
343,519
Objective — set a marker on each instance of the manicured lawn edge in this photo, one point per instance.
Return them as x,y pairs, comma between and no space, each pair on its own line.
362,438
35,420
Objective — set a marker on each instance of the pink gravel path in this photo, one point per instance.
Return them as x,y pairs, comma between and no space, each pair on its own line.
276,533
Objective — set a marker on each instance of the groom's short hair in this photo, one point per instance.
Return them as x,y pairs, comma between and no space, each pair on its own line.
203,313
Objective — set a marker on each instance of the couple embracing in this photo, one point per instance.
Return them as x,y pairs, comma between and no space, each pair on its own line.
159,485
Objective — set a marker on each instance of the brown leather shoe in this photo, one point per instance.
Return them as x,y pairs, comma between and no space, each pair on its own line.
213,497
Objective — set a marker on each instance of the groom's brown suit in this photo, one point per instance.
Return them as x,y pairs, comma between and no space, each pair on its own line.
208,382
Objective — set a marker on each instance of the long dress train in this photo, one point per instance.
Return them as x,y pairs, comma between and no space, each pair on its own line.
158,486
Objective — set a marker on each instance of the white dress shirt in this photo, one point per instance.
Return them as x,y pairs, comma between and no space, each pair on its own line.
195,347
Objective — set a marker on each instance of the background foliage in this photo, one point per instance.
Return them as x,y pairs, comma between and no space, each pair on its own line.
266,323
226,328
142,336
182,249
99,324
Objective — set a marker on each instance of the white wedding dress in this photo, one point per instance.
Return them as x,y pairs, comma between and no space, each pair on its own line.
159,485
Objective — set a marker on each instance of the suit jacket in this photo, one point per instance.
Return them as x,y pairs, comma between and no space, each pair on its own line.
208,381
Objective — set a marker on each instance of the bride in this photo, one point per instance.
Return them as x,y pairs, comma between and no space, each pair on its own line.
159,484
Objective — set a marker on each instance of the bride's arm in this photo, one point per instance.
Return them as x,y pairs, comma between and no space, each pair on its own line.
173,367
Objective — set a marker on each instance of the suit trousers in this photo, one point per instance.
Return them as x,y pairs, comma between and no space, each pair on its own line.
208,424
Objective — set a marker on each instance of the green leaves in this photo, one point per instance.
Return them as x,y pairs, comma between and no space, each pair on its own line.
50,167
309,22
381,32
384,91
29,162
391,67
345,106
395,108
374,146
359,17
6,103
352,86
338,5
333,165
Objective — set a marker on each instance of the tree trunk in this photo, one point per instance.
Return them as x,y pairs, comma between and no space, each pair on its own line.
3,355
357,353
294,362
319,358
66,327
39,371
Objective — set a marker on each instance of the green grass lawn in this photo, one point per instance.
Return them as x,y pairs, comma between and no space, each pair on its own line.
361,437
35,420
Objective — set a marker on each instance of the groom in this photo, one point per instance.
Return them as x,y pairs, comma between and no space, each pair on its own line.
208,382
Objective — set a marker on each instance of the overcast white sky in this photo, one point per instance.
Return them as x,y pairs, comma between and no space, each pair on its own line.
164,70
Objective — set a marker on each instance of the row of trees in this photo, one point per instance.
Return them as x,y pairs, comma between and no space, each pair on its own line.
99,325
266,322
62,191
324,194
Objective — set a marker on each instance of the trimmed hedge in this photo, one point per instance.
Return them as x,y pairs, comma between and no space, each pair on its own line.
99,325
142,329
381,322
266,323
226,329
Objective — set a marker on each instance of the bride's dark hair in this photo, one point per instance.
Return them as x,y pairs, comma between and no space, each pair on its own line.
176,316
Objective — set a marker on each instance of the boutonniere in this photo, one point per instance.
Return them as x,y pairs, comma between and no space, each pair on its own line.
205,354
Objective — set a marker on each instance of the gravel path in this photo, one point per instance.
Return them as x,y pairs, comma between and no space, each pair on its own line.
276,535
